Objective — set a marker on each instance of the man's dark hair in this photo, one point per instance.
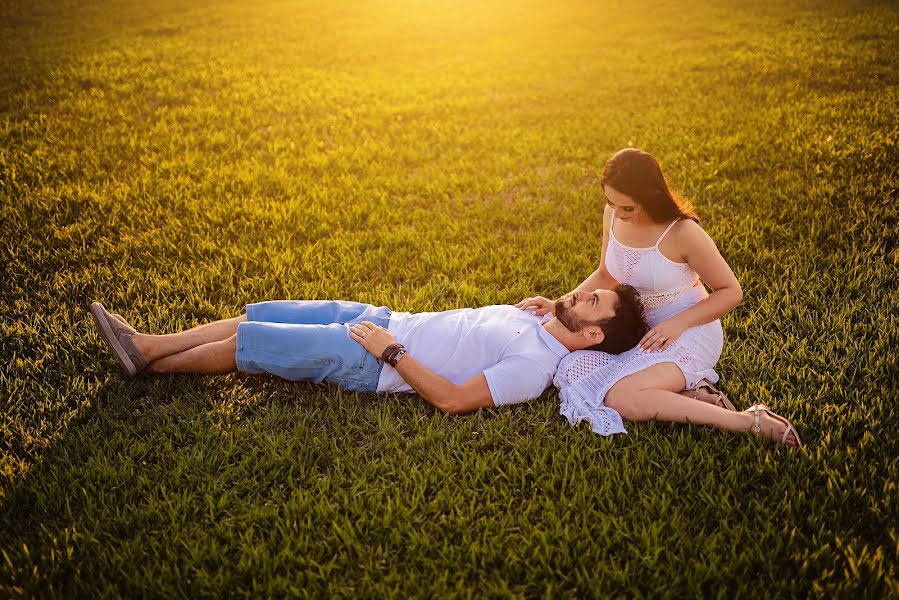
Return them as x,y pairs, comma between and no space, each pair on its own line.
627,326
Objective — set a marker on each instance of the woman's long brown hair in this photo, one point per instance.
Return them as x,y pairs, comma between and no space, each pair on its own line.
637,174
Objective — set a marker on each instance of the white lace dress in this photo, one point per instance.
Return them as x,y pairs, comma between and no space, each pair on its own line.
666,288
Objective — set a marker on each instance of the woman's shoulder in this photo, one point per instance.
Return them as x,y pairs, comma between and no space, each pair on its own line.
689,235
607,218
688,229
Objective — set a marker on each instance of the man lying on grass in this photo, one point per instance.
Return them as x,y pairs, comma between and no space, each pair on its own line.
458,360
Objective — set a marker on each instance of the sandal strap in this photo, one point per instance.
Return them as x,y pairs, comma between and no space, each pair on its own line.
787,431
705,383
756,427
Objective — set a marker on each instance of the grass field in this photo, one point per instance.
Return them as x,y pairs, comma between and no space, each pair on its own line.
178,160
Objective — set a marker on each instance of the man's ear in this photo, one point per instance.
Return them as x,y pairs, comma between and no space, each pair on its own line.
593,335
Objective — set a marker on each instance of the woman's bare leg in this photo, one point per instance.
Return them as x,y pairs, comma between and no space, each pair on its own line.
651,394
214,358
154,347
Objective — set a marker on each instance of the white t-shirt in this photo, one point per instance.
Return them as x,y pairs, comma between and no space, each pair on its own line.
517,356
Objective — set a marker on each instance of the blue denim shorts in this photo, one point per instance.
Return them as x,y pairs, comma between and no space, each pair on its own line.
309,340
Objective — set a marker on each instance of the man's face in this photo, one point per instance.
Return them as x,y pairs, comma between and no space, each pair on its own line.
578,309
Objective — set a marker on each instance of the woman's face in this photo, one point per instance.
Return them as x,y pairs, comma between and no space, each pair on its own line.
625,207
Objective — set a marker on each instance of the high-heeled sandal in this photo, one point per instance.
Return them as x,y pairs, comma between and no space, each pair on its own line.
757,428
705,383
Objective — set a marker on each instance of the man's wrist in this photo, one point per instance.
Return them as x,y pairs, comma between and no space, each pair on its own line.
393,353
399,356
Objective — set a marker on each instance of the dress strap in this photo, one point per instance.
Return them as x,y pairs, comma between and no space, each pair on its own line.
612,224
664,233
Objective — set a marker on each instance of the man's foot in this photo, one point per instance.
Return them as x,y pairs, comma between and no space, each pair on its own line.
773,426
138,339
118,337
122,320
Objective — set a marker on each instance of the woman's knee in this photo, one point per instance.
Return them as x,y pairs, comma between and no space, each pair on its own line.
628,396
625,399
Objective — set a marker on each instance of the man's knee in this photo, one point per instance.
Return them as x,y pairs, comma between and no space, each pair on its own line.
229,346
229,353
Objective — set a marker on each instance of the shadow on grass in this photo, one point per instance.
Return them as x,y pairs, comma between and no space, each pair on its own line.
168,457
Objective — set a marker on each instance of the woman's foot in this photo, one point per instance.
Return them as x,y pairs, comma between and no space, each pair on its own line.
772,426
705,394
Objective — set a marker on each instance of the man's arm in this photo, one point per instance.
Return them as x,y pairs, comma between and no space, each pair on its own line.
444,394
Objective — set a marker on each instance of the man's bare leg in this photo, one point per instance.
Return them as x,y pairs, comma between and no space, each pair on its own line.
154,347
214,358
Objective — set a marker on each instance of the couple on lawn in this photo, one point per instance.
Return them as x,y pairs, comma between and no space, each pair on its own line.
638,339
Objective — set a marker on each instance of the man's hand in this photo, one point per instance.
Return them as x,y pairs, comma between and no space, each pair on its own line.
373,338
444,394
538,305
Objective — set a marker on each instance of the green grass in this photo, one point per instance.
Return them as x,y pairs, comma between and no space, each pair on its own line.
177,162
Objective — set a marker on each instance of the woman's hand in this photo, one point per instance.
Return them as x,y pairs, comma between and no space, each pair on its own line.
539,305
373,338
662,335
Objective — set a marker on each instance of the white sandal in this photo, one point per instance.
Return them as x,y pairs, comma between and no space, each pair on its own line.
722,399
757,429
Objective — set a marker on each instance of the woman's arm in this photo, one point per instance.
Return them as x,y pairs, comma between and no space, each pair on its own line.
703,256
701,253
600,278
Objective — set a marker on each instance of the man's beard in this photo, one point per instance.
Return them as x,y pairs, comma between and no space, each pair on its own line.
563,314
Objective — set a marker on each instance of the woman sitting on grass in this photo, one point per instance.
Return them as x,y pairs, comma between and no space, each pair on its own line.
652,240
